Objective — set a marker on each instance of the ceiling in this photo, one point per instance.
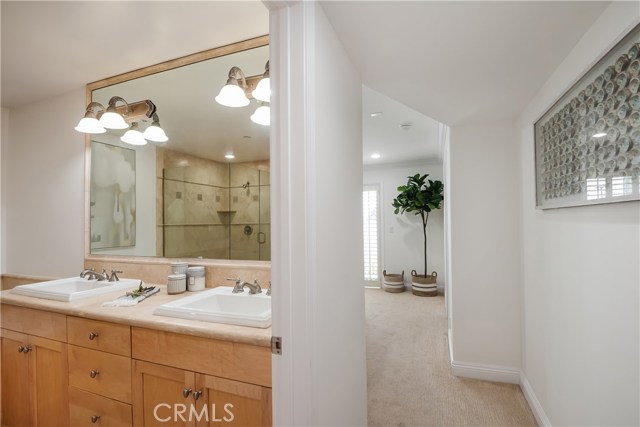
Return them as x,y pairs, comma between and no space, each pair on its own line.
457,62
50,47
383,134
460,62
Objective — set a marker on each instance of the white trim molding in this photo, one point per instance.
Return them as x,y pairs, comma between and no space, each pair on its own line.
501,374
534,403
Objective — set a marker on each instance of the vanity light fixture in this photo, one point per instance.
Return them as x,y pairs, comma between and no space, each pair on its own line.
262,115
229,156
89,123
154,132
133,136
236,93
98,120
232,94
262,92
376,156
111,119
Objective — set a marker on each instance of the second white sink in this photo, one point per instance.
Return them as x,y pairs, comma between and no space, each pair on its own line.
73,288
220,305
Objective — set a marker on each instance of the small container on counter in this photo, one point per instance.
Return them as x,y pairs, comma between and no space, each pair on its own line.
179,267
176,283
195,278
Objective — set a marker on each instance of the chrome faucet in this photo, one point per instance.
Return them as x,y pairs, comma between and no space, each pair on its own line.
269,290
114,275
91,274
254,288
86,272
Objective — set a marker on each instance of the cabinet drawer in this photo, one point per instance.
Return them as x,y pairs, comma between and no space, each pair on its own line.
35,322
83,406
97,335
236,361
101,373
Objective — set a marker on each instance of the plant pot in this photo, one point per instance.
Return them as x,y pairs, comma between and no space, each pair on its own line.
393,282
424,286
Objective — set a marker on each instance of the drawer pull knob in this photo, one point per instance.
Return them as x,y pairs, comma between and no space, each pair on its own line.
93,336
197,394
95,418
186,392
24,349
20,349
93,373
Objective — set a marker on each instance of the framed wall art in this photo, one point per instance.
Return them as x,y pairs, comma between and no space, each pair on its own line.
113,196
587,145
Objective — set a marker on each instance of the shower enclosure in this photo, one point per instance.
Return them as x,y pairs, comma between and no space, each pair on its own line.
217,210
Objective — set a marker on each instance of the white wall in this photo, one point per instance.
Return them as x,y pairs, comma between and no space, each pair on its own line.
43,190
401,238
316,155
485,241
581,276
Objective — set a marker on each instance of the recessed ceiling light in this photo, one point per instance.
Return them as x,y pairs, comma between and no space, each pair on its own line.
376,156
376,114
229,156
599,134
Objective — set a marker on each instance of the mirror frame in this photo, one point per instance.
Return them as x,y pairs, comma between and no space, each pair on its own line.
142,72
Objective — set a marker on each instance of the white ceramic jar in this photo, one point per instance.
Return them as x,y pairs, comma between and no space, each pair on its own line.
179,268
176,283
195,278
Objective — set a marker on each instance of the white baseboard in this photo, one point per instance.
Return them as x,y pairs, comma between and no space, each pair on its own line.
534,403
450,346
501,374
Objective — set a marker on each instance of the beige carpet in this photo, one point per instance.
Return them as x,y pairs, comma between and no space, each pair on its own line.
409,383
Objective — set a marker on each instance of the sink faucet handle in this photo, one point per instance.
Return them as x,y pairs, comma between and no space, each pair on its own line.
269,290
238,288
114,275
258,288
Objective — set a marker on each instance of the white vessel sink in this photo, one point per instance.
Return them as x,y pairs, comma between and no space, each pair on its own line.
73,288
220,305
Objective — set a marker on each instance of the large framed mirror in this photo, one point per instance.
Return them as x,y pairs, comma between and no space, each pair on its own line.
204,193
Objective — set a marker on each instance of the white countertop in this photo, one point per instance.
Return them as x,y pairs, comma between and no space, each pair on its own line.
142,315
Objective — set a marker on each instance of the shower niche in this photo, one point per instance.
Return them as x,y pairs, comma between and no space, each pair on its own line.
215,210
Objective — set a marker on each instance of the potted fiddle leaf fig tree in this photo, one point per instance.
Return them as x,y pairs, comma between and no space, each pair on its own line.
421,196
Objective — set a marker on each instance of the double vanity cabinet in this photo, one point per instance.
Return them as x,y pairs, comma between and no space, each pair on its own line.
75,368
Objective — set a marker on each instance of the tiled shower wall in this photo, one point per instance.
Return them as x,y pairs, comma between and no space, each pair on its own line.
214,210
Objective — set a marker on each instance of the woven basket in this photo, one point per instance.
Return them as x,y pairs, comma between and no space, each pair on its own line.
393,282
424,286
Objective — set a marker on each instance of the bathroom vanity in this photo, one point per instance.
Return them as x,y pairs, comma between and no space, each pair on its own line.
77,363
72,362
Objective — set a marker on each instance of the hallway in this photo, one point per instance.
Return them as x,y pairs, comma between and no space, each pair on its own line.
408,377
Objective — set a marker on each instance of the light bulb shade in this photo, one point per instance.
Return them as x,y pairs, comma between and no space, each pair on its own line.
262,116
262,92
232,96
89,125
133,136
155,133
113,120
